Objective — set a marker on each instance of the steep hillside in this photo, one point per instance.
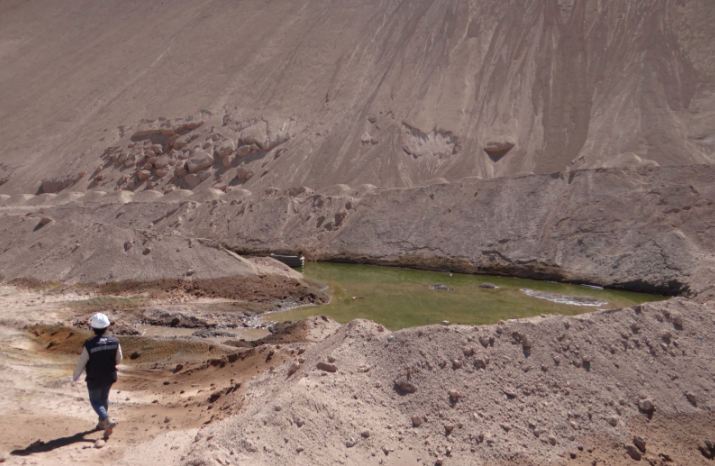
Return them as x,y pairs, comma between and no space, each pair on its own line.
390,93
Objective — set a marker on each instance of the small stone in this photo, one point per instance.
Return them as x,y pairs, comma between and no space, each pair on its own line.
646,405
99,443
181,170
665,335
45,220
405,385
552,439
586,358
613,420
146,251
468,351
295,365
350,442
454,395
365,434
156,148
488,285
508,391
331,359
484,340
278,408
143,174
448,427
167,420
677,320
691,397
639,442
416,421
162,172
481,363
456,363
439,461
633,452
526,342
324,366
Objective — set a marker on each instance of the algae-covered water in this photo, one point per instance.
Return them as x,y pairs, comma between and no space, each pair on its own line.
399,298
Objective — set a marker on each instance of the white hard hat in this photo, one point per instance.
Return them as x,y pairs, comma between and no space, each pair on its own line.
99,320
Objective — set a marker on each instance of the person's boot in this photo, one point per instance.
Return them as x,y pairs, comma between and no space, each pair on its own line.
102,425
111,423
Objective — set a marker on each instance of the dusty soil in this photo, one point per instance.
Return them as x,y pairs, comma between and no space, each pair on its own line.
638,229
549,390
168,387
562,140
385,93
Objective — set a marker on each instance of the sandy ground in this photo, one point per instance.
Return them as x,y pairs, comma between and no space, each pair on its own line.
383,93
159,409
548,390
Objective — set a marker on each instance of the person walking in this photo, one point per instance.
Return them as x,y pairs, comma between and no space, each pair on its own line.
99,359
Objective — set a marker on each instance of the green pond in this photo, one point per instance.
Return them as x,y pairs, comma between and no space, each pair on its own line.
399,298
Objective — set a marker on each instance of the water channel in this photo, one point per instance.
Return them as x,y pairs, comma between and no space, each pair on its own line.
399,298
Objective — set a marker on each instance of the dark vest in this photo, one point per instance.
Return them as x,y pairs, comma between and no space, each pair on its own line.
102,366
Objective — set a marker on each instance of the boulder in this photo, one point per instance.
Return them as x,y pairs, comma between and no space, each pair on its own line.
192,180
143,174
244,150
161,162
183,141
256,134
130,161
498,148
225,147
199,160
244,174
228,161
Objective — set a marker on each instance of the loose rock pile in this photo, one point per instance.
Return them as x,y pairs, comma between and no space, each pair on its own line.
595,388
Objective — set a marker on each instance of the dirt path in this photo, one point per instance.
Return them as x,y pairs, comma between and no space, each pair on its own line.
47,420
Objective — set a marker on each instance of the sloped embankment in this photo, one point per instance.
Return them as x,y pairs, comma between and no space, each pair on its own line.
602,388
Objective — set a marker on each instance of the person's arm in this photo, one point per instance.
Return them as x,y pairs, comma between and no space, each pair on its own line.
81,364
119,356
